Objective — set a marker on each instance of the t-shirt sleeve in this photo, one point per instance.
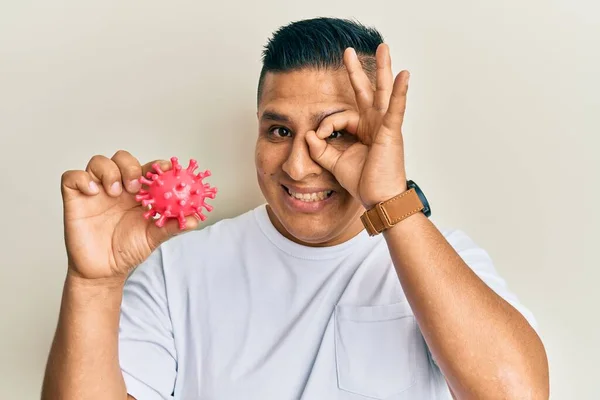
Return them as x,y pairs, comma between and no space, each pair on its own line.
481,263
146,345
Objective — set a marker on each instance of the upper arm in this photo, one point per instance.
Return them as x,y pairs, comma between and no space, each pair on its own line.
147,353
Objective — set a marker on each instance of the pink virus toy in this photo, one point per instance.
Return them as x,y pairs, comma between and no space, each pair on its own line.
176,193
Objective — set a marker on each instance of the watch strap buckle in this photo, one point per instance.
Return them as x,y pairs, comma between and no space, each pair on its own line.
388,213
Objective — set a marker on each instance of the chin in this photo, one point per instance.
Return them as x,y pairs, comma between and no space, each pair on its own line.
328,221
327,227
306,231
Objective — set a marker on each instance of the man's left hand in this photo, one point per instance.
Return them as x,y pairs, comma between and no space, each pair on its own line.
372,170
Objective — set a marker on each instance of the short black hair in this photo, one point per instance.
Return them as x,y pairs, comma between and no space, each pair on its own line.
318,43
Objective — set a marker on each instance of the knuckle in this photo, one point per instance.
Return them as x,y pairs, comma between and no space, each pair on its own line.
71,176
96,164
122,155
98,158
108,172
122,152
67,175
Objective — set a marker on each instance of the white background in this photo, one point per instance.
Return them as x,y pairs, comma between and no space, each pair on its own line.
501,133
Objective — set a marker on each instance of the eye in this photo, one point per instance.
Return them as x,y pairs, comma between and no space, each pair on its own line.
336,135
280,132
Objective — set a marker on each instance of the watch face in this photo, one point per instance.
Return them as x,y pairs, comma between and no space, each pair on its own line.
426,208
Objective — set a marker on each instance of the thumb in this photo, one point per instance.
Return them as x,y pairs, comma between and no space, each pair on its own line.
159,234
322,152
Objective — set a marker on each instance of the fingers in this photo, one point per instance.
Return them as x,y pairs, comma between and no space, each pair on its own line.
122,171
384,78
129,169
322,152
78,181
394,116
359,80
106,172
347,120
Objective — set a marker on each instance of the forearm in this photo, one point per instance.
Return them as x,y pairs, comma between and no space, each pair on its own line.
83,360
484,347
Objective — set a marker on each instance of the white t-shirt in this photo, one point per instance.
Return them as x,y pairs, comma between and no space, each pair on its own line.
237,311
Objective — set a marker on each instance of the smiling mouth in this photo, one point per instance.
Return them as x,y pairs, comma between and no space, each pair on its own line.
309,197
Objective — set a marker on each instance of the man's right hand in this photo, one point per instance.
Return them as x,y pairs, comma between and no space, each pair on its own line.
106,234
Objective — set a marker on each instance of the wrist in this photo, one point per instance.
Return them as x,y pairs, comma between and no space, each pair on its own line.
407,226
95,285
97,301
380,198
390,212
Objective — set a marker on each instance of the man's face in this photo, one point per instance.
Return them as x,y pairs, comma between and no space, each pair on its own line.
306,203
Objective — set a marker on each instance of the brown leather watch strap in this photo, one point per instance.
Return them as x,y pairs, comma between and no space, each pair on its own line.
388,213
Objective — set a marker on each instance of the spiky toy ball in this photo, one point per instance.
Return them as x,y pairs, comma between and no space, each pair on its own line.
176,193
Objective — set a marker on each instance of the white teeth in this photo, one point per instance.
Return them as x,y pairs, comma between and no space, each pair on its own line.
310,197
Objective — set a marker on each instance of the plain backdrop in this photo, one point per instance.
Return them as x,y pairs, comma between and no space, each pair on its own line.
501,133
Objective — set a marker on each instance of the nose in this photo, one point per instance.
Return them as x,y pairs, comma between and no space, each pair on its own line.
299,165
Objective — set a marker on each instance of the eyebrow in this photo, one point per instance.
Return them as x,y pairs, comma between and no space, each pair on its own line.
271,115
274,116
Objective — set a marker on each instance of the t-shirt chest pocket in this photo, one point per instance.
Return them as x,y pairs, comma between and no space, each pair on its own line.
375,349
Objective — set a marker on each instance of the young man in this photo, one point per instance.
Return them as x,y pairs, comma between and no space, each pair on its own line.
305,297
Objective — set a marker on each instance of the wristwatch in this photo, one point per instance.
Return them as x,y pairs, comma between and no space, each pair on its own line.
390,212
